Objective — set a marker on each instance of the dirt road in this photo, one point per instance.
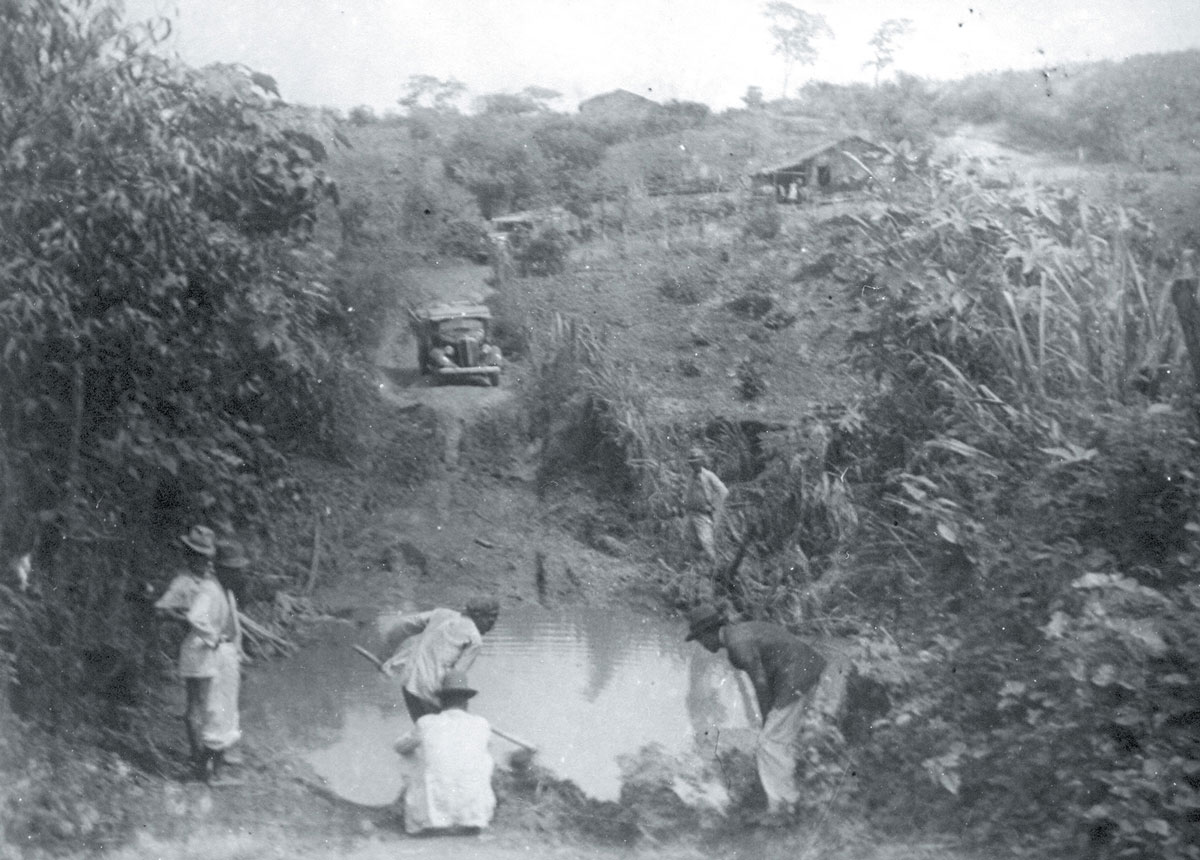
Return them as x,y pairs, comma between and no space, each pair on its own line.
401,381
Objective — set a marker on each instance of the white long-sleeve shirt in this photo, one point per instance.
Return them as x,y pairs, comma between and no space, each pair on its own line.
448,772
434,643
705,493
211,618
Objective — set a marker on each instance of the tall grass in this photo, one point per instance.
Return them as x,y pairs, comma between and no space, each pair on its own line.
594,411
1041,292
583,393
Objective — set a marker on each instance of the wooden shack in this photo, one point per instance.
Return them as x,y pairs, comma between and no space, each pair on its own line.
830,167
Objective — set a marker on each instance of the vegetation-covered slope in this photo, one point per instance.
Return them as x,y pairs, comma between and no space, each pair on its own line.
953,417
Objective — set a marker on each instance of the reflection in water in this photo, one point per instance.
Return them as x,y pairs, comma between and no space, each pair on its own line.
603,640
584,685
703,699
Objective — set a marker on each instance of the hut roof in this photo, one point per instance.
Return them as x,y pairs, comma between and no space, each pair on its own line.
797,162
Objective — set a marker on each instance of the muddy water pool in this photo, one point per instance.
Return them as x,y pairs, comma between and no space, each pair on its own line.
584,685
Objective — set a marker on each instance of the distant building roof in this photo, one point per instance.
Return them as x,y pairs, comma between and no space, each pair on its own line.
617,101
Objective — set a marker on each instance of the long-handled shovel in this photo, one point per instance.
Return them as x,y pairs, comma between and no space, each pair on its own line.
510,738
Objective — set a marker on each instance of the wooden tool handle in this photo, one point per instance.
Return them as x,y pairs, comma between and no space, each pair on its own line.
514,739
497,732
361,650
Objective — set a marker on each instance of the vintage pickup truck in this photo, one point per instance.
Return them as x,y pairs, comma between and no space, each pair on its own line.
453,342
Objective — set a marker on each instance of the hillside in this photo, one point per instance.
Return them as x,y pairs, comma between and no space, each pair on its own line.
951,399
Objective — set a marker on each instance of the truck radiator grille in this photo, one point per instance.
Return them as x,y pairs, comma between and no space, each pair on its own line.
468,352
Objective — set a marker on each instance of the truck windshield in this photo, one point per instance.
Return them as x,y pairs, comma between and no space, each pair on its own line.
461,328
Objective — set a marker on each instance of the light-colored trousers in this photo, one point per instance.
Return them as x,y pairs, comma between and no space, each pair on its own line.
703,534
778,750
222,726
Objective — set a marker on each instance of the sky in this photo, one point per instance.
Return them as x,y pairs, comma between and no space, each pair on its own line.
343,53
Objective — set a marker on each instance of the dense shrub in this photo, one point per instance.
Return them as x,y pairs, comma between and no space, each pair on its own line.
367,295
354,215
442,217
688,280
361,115
1044,293
763,221
544,253
751,377
510,329
1050,528
463,239
496,159
164,321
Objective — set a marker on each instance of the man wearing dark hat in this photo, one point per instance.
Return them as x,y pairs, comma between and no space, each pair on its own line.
783,670
448,769
432,643
704,504
197,599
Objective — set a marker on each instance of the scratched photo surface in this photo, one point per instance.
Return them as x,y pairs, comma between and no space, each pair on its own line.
599,428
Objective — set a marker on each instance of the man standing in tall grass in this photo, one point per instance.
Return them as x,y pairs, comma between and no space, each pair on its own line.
704,504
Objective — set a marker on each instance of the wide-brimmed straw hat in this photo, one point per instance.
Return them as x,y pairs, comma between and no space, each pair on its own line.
230,554
697,455
455,684
703,619
202,540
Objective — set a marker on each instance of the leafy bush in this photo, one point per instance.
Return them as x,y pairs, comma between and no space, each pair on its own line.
593,414
353,215
361,115
751,379
763,222
1050,528
163,318
511,323
688,285
463,239
1014,290
366,294
545,253
497,161
441,217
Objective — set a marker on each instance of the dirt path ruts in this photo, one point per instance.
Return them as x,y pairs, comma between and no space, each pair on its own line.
402,383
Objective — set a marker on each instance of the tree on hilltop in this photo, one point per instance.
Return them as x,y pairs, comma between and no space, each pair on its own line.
795,31
883,44
426,91
753,99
